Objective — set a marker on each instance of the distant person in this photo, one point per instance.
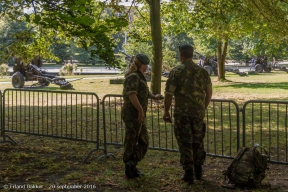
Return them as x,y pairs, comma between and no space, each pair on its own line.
274,62
201,62
135,94
192,89
107,66
252,63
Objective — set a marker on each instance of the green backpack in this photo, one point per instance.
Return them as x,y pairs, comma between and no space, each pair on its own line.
247,168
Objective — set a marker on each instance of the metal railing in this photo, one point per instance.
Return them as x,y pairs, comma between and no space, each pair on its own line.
76,116
265,123
1,112
222,133
57,114
222,137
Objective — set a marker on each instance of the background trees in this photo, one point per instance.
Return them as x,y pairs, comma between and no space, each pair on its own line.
231,20
88,22
236,29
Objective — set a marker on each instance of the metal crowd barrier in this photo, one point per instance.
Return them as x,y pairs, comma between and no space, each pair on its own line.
222,134
265,124
57,114
76,116
1,112
222,137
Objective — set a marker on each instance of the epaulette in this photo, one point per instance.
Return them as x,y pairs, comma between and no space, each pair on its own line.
131,75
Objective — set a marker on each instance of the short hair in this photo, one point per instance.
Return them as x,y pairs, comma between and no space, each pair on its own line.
186,50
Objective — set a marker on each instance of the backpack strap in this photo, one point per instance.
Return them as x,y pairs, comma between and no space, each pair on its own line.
241,152
232,165
239,155
254,152
254,148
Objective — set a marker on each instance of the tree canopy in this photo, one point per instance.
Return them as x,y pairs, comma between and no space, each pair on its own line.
87,22
225,20
260,25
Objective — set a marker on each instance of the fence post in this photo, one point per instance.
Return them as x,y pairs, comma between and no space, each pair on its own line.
2,126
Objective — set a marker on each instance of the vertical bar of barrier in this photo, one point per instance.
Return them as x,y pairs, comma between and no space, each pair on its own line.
2,124
1,115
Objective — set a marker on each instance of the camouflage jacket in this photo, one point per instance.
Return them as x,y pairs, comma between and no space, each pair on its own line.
135,83
187,82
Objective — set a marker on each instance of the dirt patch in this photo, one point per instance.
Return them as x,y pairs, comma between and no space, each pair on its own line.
57,163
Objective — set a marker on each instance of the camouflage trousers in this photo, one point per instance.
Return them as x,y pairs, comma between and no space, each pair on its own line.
136,140
190,133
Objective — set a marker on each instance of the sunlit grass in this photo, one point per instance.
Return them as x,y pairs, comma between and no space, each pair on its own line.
38,159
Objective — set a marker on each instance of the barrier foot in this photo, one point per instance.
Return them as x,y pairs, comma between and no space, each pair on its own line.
106,156
12,141
101,157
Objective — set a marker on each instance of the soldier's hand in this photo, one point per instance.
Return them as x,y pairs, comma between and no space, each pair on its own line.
167,118
158,97
140,116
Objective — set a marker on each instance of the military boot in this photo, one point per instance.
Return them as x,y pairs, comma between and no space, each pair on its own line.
188,176
198,171
130,168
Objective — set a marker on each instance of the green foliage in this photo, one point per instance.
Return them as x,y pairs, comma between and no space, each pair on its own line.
260,23
169,59
24,41
89,21
68,69
4,70
237,51
139,28
133,47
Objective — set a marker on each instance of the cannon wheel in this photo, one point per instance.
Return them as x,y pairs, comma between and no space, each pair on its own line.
215,70
259,68
18,80
209,69
267,69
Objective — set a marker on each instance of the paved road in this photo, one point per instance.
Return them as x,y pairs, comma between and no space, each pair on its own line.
85,70
103,70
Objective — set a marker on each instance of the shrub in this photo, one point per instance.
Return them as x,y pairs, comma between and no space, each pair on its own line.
67,69
4,68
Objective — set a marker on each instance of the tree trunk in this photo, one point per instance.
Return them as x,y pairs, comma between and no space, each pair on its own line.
222,51
156,34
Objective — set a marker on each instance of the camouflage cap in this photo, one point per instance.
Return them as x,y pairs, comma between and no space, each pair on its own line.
185,47
143,59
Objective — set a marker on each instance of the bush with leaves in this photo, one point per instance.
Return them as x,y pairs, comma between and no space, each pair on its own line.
4,70
68,69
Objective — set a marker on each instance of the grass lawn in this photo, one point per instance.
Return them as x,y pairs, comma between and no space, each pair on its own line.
56,164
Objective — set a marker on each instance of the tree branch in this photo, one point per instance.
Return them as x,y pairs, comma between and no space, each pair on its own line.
149,2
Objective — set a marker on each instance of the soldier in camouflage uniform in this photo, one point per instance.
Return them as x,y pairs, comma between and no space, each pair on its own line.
135,94
191,86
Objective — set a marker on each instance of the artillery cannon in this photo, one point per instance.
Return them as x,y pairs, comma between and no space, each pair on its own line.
210,64
261,64
34,72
